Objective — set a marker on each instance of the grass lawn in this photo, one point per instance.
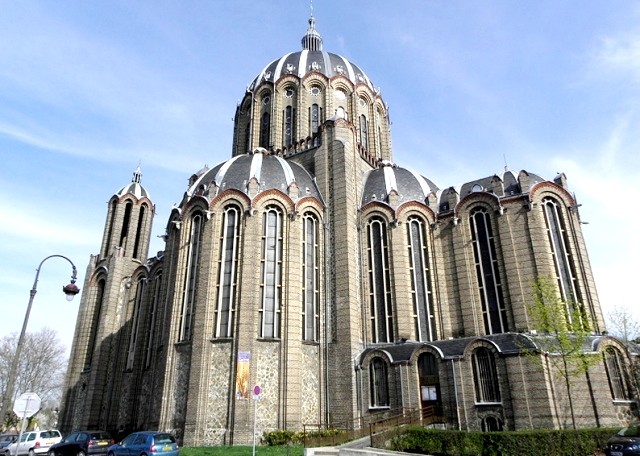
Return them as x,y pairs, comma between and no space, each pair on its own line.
242,451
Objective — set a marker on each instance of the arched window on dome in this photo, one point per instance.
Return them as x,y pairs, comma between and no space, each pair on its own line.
485,377
421,290
311,278
364,132
289,125
95,322
153,319
616,373
315,117
135,323
191,278
271,286
380,303
378,384
265,126
562,258
228,270
487,272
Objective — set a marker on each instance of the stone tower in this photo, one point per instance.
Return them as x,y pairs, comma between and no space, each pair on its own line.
104,314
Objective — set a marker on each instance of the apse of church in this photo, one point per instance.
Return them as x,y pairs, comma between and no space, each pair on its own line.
343,285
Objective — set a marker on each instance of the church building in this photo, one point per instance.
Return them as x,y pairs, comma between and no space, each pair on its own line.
312,271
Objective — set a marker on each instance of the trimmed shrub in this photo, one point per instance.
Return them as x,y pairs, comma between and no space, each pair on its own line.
420,440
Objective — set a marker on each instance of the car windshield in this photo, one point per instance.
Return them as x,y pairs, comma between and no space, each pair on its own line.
163,438
7,438
630,431
100,436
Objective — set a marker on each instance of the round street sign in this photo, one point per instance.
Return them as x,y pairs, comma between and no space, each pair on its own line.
256,392
27,405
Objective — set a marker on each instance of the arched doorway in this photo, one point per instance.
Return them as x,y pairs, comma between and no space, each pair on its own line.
430,399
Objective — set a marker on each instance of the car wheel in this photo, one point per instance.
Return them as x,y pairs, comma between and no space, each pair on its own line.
81,453
31,452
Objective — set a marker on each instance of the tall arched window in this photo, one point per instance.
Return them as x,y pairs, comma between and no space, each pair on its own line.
616,373
125,224
487,272
423,314
153,319
289,125
265,126
562,258
95,324
378,383
364,131
310,278
271,286
485,376
380,303
228,267
247,137
136,245
112,217
135,323
315,118
191,277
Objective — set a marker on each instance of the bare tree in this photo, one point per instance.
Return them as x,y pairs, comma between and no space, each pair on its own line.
41,370
622,324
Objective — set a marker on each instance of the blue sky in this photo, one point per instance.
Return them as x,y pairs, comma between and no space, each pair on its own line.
89,89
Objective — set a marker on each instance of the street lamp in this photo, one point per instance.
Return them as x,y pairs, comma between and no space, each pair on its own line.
70,291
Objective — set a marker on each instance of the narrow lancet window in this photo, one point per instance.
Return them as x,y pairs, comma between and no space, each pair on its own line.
380,303
487,272
228,266
271,287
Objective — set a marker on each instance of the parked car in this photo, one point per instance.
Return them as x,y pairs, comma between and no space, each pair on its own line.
6,440
625,442
145,443
34,442
82,443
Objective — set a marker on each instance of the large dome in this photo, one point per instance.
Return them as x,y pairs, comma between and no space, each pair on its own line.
409,185
268,170
311,58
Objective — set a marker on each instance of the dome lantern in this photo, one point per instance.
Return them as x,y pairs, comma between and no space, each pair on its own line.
312,41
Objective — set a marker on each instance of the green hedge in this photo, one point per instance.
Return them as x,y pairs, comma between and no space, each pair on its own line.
285,437
420,440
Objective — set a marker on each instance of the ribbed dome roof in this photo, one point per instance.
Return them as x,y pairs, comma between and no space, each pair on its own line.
409,185
311,58
270,171
135,187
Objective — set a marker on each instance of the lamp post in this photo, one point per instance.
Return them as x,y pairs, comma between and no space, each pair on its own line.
70,291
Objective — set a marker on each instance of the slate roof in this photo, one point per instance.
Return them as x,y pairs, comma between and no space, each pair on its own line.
271,172
311,58
409,185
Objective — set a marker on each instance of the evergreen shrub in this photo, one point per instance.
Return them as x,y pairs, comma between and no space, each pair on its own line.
419,440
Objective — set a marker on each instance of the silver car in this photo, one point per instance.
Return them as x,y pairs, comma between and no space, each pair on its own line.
34,442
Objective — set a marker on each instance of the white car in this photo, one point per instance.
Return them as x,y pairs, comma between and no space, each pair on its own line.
34,442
